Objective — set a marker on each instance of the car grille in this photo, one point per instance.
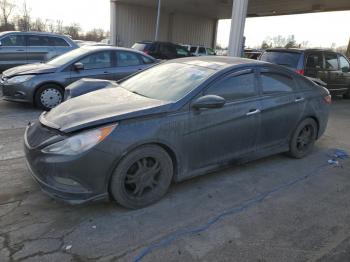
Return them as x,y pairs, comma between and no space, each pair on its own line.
37,134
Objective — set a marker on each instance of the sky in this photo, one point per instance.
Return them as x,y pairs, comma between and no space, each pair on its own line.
319,29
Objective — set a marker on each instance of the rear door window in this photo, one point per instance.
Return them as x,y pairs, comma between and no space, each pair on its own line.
331,61
288,59
13,40
59,42
34,40
276,83
314,61
235,87
127,59
97,60
146,60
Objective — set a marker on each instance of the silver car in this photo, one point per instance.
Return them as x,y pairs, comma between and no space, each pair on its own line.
19,48
43,84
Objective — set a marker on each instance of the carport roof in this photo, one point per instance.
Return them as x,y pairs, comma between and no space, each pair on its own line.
222,9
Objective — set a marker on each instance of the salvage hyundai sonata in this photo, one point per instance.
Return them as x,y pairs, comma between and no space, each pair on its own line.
180,119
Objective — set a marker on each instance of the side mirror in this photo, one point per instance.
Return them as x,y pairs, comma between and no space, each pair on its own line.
78,66
345,69
208,101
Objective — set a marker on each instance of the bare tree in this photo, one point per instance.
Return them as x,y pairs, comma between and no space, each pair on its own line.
6,8
24,20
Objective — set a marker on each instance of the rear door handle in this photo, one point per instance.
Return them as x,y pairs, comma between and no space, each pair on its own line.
253,112
299,99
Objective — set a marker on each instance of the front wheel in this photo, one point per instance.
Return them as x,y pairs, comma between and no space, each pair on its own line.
142,177
303,139
48,96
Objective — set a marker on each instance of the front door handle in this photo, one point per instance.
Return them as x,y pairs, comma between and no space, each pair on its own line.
253,112
299,99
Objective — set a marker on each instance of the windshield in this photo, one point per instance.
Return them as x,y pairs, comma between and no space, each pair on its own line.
289,59
67,57
168,82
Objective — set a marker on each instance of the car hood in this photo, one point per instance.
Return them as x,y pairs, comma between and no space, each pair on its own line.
31,69
101,107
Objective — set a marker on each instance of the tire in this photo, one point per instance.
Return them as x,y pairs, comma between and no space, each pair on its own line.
48,96
142,177
303,138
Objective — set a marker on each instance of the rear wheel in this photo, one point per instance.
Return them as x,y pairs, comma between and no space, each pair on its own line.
142,177
48,96
303,139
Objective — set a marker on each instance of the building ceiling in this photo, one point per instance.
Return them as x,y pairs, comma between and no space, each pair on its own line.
221,9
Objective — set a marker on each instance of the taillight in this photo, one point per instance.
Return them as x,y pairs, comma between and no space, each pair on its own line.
328,99
300,71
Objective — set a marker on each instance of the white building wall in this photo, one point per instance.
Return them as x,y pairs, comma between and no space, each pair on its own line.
137,23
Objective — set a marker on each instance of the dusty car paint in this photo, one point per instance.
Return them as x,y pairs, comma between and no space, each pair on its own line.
198,141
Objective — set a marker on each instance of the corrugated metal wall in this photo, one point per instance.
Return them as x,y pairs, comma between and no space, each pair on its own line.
136,23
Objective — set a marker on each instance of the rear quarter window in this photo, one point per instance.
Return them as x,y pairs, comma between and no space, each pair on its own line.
276,83
288,59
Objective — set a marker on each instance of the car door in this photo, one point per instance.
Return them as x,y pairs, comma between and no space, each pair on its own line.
344,76
39,48
332,71
12,51
221,134
281,107
97,65
127,63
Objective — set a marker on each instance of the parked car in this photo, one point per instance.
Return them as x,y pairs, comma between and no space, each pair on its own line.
19,48
331,67
43,84
200,50
162,50
171,122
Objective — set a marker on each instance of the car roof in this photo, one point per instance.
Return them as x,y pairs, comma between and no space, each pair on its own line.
33,32
112,48
218,62
298,50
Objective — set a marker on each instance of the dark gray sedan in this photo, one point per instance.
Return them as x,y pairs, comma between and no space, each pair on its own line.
43,84
177,120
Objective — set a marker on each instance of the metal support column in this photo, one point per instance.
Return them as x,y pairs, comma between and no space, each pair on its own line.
239,13
113,25
158,20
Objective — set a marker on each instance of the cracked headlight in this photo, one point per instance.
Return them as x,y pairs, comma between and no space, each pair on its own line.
80,143
19,79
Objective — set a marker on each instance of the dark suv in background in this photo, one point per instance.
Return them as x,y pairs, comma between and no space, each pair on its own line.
162,50
331,67
19,48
